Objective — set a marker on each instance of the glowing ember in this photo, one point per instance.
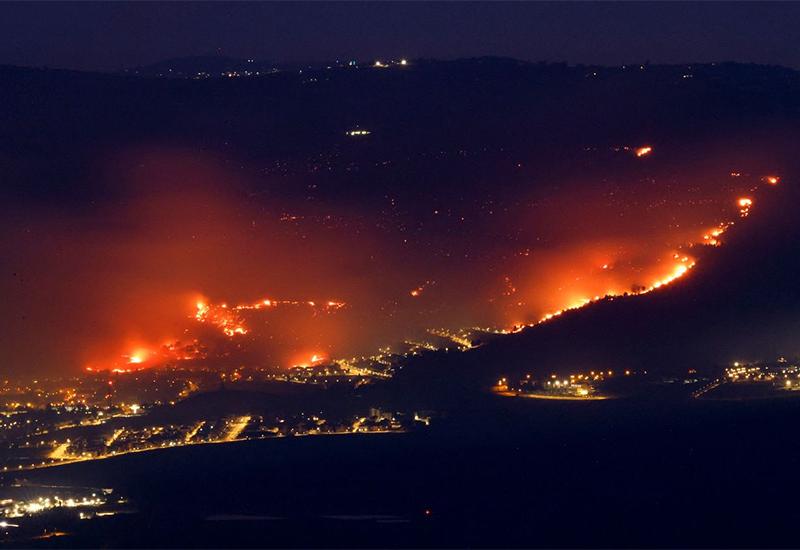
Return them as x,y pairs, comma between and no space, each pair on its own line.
744,206
416,292
221,317
712,237
643,151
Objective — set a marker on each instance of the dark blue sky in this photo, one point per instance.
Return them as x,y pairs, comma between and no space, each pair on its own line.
114,35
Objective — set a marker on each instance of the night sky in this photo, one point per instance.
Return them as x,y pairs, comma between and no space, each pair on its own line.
114,35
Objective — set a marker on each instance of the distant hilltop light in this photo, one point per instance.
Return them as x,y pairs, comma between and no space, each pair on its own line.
359,132
382,65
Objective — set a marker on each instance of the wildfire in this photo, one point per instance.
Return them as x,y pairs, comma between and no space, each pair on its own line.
606,273
229,321
679,270
744,206
221,317
712,237
685,263
416,292
143,356
314,360
643,151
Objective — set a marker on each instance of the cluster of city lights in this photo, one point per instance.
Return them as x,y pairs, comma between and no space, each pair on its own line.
572,386
17,509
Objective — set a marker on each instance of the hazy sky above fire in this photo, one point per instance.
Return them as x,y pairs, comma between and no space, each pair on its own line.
102,284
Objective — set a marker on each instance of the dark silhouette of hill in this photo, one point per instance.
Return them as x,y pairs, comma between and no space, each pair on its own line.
268,399
56,125
469,102
206,66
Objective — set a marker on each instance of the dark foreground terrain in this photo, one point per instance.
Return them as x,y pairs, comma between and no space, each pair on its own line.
623,473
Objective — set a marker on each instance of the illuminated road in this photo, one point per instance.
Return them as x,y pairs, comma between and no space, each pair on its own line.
237,428
708,387
60,452
193,432
114,436
553,396
73,459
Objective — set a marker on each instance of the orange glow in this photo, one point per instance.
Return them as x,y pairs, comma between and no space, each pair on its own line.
416,292
711,238
139,355
744,206
684,263
772,180
228,319
146,356
678,270
313,360
496,264
221,317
